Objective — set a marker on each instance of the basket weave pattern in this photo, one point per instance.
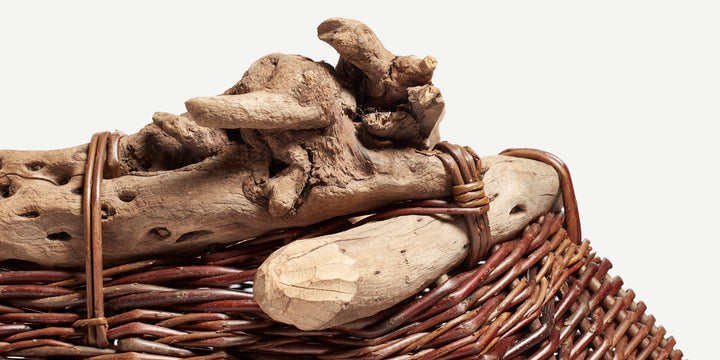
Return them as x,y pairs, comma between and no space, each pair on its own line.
543,295
539,296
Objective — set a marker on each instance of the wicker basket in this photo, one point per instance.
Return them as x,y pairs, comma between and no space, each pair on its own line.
543,295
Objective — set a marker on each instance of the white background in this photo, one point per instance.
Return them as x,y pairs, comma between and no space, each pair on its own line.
626,92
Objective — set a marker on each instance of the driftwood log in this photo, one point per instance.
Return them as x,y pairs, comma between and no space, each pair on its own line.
292,143
331,280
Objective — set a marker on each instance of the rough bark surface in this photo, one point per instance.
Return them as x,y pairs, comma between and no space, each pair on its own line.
294,142
288,145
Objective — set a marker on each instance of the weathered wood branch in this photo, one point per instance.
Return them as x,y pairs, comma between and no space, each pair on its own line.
283,147
331,280
387,76
219,200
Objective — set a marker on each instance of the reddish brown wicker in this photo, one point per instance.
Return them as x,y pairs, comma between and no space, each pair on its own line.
544,295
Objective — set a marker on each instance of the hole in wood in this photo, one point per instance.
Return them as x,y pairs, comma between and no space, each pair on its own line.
107,211
61,174
16,264
59,236
126,197
6,190
517,209
193,235
35,166
62,180
159,233
276,167
235,135
30,214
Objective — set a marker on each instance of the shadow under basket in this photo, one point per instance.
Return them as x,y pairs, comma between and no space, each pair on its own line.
543,295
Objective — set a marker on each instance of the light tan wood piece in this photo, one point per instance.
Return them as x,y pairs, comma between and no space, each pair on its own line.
331,280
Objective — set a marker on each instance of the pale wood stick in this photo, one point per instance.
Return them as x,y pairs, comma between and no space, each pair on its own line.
331,280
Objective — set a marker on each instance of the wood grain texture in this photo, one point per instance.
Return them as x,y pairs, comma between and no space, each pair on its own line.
285,146
331,280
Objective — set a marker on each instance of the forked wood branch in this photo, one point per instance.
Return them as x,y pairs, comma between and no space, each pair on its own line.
288,145
294,142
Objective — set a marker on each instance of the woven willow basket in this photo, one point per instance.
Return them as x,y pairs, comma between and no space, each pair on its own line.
543,295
